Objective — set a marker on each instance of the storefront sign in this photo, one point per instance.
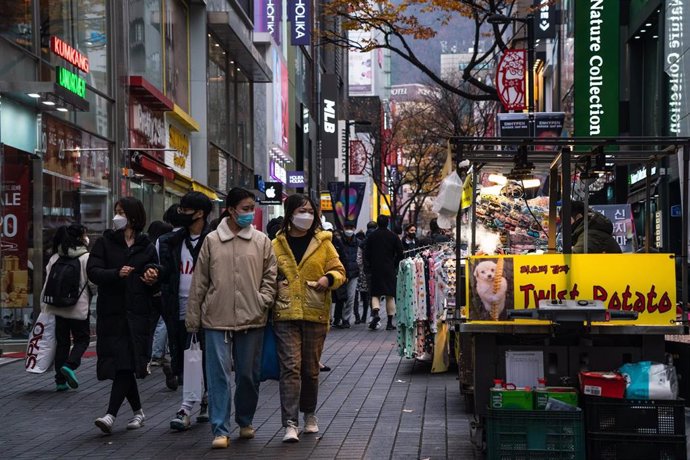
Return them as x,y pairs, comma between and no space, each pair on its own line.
546,125
597,71
644,283
259,183
676,64
70,81
621,217
273,194
545,19
296,179
268,15
299,15
639,174
510,79
326,203
329,109
147,127
69,54
278,172
178,155
658,229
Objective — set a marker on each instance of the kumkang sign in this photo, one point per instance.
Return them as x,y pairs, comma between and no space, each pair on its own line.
597,69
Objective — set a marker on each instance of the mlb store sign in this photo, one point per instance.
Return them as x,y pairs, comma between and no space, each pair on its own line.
597,69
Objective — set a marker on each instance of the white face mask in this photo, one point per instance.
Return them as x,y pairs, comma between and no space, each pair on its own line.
303,220
119,222
349,233
86,241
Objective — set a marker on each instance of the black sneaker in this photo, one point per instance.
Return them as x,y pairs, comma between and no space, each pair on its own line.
374,324
345,325
170,379
390,327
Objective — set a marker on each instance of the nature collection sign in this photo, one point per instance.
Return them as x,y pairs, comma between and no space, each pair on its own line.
644,283
597,67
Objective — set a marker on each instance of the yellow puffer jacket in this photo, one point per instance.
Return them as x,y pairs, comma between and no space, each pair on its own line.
296,300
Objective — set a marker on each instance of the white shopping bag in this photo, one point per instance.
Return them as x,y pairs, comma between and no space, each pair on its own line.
40,351
193,380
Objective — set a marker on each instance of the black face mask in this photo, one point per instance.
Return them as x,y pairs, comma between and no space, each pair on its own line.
185,220
412,236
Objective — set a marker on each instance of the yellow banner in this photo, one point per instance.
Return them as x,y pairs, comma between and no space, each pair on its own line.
644,283
467,192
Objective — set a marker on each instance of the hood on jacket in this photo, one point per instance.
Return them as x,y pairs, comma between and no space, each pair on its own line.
597,221
73,253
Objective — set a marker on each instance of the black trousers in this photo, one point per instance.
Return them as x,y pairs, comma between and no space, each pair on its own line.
124,386
365,299
67,333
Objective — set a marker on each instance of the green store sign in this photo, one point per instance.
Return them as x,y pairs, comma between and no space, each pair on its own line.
597,67
70,81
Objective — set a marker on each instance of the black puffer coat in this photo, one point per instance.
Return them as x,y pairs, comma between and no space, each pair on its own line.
600,235
123,308
383,252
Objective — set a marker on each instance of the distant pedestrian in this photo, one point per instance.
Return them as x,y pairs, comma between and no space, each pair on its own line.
383,253
179,252
364,279
409,240
232,291
308,270
349,260
70,245
599,231
124,265
436,235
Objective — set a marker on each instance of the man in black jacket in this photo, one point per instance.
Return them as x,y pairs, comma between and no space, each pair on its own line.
383,252
350,245
178,252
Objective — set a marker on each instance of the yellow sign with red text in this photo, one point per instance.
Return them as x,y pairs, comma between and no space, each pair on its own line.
644,283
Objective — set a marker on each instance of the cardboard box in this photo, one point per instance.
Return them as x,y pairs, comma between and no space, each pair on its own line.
605,384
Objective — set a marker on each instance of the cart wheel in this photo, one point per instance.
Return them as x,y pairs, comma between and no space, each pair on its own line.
477,435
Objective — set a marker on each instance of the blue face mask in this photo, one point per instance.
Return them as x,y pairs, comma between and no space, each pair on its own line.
244,220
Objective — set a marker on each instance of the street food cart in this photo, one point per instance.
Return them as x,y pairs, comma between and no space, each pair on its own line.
631,297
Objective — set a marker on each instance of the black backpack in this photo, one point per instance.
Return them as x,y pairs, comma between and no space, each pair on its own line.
62,287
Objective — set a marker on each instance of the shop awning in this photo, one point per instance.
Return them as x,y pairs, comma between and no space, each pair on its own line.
184,118
145,91
197,187
236,39
152,165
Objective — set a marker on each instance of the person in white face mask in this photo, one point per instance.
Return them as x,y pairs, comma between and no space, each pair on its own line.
308,270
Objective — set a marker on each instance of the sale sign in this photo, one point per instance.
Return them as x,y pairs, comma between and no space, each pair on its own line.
643,283
15,195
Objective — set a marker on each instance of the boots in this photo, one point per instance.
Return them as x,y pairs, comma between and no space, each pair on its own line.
389,326
374,324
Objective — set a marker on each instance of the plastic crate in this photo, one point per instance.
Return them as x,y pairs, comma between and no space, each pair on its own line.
535,435
635,447
639,417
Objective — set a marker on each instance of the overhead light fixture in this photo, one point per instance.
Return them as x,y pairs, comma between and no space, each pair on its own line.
637,37
62,109
655,36
238,69
649,24
34,95
48,102
216,45
530,183
498,179
643,31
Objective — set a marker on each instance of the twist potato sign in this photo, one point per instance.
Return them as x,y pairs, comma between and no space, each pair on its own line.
644,283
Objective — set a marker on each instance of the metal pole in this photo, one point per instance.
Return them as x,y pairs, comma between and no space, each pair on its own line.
553,192
684,232
473,216
530,72
458,240
565,199
648,208
347,170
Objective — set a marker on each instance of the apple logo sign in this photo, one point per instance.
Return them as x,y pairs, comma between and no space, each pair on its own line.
271,192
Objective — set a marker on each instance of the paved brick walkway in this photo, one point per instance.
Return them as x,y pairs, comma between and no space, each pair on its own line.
372,405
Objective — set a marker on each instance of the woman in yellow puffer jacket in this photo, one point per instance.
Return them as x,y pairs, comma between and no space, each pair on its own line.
308,270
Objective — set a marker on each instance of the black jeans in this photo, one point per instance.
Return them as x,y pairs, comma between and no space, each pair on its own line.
68,331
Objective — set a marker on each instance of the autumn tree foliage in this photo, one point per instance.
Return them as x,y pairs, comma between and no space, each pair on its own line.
393,24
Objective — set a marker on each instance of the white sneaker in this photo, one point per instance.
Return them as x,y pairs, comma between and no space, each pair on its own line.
311,423
291,433
137,421
181,422
105,423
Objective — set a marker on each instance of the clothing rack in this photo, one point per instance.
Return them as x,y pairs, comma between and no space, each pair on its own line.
445,245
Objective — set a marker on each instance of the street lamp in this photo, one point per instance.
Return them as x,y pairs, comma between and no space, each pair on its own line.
349,123
529,22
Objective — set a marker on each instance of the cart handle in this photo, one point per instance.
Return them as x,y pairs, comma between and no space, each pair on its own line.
530,314
618,314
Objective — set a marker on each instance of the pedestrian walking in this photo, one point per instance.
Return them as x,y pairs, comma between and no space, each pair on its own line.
383,253
72,324
235,282
124,265
178,252
350,246
308,270
364,280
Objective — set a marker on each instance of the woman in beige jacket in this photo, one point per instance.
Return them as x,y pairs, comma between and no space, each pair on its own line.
233,288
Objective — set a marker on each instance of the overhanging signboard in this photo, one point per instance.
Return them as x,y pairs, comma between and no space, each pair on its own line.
70,81
597,70
329,116
299,15
544,19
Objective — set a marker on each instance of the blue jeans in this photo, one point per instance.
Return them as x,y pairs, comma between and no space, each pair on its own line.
222,349
160,339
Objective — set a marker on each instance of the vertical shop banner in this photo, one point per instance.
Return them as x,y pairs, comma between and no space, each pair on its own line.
621,217
14,228
511,79
360,66
597,68
267,17
544,19
355,197
284,106
677,65
644,283
358,157
299,15
329,115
